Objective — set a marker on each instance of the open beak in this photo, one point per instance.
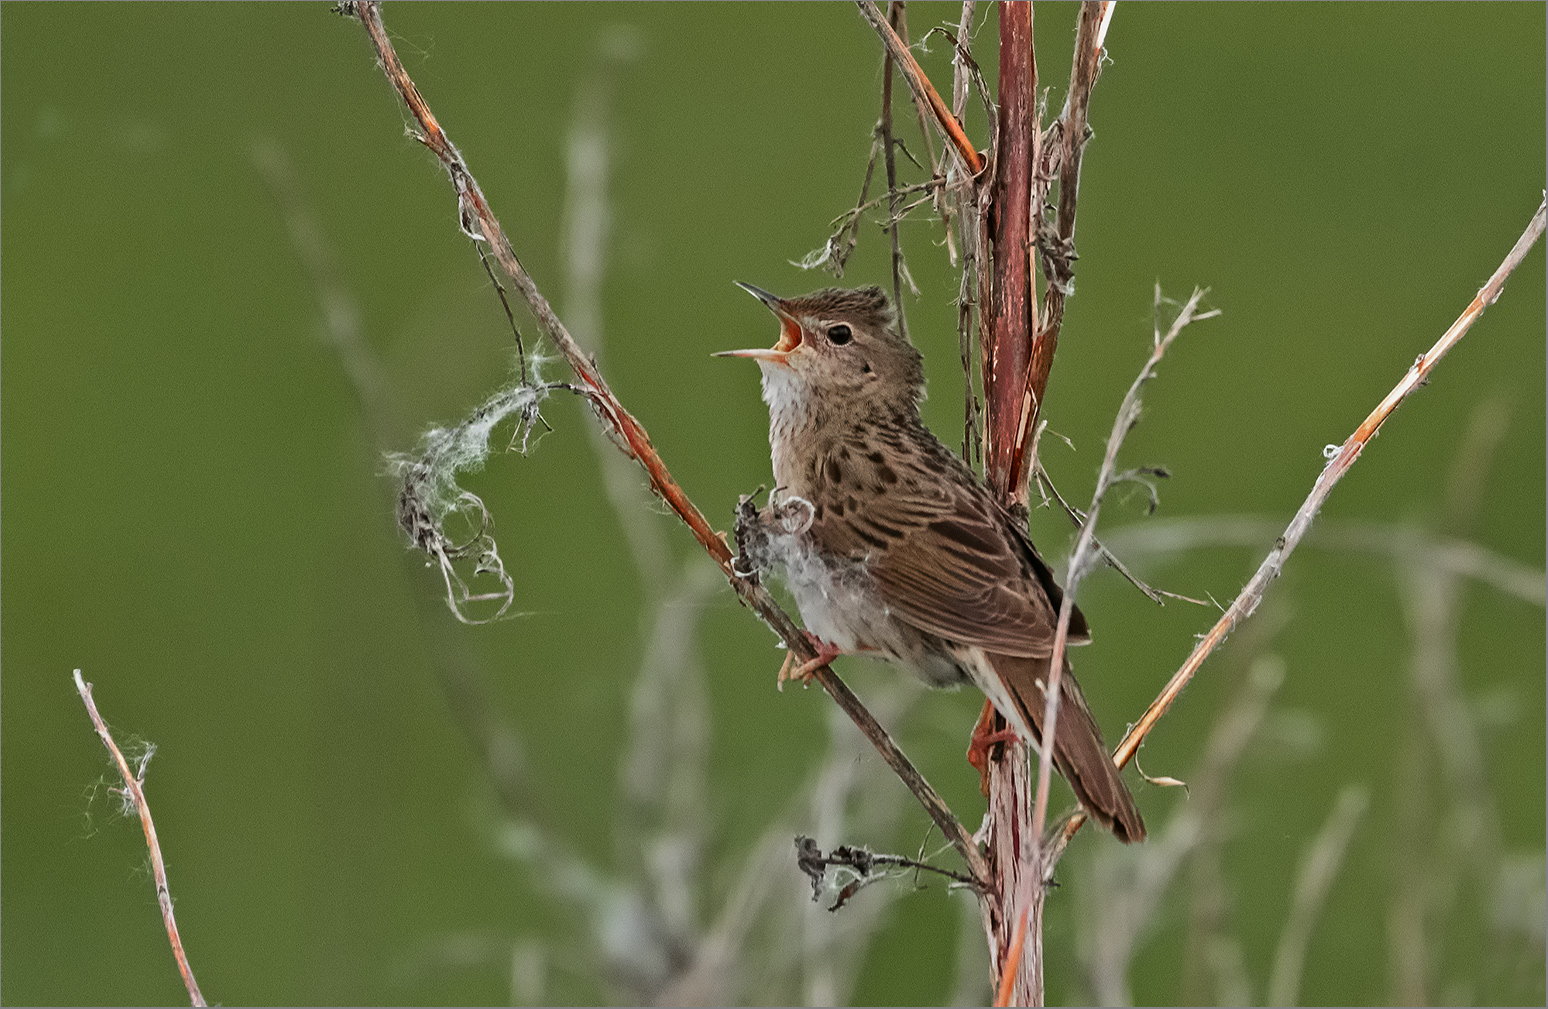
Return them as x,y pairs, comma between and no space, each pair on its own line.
789,331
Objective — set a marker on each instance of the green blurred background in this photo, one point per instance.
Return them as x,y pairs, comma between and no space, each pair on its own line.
195,511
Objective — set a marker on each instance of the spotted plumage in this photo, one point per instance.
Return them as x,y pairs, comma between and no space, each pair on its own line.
895,549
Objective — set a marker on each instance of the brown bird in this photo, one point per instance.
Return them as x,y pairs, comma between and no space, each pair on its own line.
893,548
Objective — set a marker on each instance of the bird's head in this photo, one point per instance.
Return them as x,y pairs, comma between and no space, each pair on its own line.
840,346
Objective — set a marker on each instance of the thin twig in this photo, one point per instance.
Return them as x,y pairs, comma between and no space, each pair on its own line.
938,165
960,60
835,252
924,92
1080,557
135,787
479,222
1155,595
962,67
1341,460
813,862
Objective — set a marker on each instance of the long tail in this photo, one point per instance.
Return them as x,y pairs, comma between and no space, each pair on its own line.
1079,753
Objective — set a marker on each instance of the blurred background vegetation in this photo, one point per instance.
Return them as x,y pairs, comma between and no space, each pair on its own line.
363,802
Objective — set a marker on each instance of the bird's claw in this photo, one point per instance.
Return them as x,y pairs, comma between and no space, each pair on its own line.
790,670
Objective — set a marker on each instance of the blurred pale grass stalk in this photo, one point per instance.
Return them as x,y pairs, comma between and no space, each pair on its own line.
1460,558
1448,829
1084,555
1319,864
1430,568
1123,886
670,713
134,794
564,876
1214,967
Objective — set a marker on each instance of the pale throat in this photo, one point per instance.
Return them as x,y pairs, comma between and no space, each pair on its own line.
795,415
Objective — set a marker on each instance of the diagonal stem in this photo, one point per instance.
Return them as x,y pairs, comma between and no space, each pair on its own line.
480,223
1247,601
136,790
923,90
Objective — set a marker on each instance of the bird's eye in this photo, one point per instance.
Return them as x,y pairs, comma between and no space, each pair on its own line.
840,335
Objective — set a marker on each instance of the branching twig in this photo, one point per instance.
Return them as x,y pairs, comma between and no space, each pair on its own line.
1081,556
1339,462
811,860
1155,595
134,788
834,253
480,223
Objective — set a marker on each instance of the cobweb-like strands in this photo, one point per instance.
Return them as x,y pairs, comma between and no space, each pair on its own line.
429,498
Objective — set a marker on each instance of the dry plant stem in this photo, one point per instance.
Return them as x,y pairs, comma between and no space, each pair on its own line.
1007,987
479,221
897,21
1017,356
1247,601
1040,868
134,787
1060,246
959,67
1009,314
1155,596
1007,325
924,92
1081,556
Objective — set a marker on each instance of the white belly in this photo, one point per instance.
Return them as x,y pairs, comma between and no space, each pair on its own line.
839,603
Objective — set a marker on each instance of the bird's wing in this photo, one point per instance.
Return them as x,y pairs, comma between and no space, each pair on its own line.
947,559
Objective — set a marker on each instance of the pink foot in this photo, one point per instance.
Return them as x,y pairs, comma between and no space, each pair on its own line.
986,736
826,653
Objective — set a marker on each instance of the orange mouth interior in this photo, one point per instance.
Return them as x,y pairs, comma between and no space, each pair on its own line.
789,335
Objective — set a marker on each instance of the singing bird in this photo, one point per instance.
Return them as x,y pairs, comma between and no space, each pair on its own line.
893,548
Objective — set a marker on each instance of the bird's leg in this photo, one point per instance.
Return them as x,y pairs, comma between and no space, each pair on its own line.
826,653
986,737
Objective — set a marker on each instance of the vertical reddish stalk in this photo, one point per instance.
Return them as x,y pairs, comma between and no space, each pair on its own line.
1010,321
1009,325
1059,248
